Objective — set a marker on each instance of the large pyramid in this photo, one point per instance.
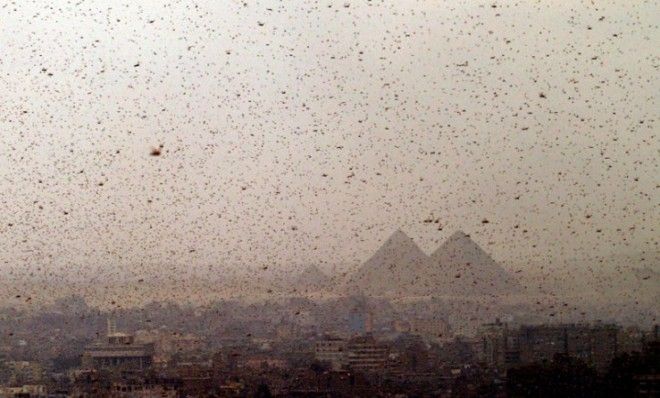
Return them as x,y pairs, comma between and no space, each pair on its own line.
468,270
459,267
395,269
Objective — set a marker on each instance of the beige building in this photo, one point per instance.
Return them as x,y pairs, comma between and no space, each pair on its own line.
118,351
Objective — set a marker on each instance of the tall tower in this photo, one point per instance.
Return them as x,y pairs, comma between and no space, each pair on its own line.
112,326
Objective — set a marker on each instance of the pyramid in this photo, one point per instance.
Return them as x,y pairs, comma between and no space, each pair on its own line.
312,278
394,269
467,270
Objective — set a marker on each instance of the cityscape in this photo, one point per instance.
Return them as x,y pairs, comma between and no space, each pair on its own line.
352,345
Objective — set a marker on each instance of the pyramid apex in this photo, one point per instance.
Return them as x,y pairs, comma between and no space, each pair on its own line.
459,234
399,232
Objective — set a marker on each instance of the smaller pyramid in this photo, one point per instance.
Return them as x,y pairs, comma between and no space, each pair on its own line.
312,277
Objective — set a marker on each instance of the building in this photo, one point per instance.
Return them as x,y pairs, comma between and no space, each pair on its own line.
360,317
32,391
497,345
647,385
24,372
595,344
430,327
118,351
166,343
540,343
138,387
366,354
502,347
331,350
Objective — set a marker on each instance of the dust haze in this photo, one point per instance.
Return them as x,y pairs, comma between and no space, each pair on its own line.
188,152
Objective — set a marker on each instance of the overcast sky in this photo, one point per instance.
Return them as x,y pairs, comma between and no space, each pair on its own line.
297,132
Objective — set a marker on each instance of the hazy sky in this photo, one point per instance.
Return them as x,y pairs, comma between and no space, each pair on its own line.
306,132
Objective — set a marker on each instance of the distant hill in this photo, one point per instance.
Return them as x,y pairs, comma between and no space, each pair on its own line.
459,267
471,271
